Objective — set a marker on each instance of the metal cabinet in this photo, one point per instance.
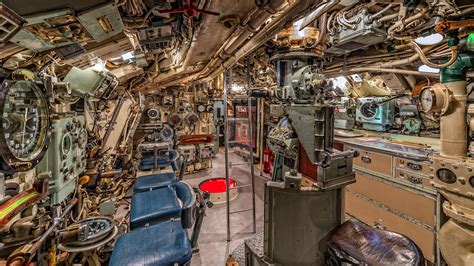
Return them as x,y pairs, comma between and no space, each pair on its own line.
394,193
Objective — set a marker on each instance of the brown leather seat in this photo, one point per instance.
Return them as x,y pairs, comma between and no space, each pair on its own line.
357,243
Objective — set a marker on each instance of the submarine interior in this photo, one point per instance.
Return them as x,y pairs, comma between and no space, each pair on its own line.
236,132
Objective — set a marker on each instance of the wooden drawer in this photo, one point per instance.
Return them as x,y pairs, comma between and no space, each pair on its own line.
417,180
404,201
374,161
372,215
415,166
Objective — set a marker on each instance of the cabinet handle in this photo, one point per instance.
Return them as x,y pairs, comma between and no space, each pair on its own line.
414,166
414,179
366,159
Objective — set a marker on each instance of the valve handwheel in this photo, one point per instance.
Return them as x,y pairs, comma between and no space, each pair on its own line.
190,10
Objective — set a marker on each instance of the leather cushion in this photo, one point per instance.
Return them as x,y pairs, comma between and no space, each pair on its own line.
153,207
357,243
162,244
154,181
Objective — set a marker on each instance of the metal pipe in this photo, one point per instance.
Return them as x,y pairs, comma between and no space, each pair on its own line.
454,56
381,11
250,128
32,250
227,75
318,12
387,70
453,124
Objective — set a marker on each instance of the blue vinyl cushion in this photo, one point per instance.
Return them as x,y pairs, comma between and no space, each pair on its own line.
162,244
153,181
148,161
153,207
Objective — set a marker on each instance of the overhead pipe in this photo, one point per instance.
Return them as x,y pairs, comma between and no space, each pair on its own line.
325,7
219,65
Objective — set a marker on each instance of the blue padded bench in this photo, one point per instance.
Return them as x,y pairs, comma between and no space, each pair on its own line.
161,244
162,204
154,181
148,161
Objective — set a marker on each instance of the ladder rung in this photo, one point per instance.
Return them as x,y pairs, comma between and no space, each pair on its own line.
241,186
244,210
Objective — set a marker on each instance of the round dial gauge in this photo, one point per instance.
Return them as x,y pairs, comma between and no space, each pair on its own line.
24,134
192,119
201,108
166,133
153,113
427,100
368,110
174,120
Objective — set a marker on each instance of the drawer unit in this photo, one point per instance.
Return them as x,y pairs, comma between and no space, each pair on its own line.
415,166
375,215
415,179
374,161
397,198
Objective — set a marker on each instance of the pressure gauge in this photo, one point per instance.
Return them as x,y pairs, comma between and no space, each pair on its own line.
201,108
427,100
192,119
166,133
368,110
153,113
434,99
174,120
25,131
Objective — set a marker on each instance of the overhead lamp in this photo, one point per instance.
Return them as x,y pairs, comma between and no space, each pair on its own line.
430,39
428,69
236,88
99,66
127,56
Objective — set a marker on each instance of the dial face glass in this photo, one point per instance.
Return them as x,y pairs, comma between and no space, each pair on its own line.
426,100
368,110
24,120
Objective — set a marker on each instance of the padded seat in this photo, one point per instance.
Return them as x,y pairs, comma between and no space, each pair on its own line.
148,161
154,181
154,207
358,244
162,244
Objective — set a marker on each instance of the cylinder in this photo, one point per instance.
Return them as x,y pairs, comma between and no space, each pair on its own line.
453,123
297,224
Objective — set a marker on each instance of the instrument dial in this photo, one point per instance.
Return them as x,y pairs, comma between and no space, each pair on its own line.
427,100
25,125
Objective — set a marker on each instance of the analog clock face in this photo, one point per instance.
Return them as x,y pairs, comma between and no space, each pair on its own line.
427,100
24,120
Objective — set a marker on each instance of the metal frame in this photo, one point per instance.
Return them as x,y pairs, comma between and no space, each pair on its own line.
227,85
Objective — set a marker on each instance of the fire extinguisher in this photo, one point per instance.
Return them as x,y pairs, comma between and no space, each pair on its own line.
267,161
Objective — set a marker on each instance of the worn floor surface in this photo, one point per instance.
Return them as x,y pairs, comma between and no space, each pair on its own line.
214,248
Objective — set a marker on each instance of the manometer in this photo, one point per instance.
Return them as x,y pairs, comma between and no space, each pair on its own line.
434,99
25,131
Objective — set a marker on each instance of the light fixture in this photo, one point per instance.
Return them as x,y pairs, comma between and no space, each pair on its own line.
99,66
428,69
236,88
127,56
430,39
339,82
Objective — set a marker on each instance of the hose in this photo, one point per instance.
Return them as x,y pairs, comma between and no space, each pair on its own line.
454,56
